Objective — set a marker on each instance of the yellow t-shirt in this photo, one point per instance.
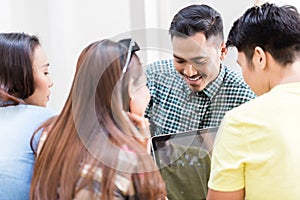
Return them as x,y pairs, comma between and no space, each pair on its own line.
258,147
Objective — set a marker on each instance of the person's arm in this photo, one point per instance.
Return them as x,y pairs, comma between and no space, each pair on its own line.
218,195
227,177
46,127
41,142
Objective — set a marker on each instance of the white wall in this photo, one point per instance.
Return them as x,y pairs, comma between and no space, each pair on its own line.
295,3
65,27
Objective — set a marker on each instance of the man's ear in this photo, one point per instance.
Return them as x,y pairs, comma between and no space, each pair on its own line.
223,51
259,58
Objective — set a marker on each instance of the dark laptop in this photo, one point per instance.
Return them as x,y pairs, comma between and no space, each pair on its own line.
184,162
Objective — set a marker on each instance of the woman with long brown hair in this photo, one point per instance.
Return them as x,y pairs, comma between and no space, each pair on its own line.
96,148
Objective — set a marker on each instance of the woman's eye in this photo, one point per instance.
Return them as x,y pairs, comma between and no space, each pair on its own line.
46,73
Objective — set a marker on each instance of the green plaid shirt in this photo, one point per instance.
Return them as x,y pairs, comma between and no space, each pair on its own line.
174,107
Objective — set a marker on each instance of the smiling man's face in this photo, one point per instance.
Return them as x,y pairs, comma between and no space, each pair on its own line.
197,59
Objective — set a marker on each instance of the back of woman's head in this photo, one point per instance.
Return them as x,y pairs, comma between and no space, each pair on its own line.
16,55
100,93
98,74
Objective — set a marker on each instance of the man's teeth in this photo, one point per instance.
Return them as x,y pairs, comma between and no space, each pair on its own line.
195,78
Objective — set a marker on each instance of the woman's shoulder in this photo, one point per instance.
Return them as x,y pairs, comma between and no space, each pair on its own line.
26,112
37,110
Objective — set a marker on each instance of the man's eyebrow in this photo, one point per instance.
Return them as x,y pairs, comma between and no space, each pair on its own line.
198,58
178,57
193,59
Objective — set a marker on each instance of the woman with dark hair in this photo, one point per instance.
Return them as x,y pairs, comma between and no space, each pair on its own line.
24,92
97,146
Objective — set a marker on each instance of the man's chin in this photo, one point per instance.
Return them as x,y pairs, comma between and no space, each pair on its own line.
195,88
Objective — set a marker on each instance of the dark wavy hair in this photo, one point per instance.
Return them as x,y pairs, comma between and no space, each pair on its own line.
197,18
276,29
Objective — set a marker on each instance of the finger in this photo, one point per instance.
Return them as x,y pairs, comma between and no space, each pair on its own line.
134,116
139,120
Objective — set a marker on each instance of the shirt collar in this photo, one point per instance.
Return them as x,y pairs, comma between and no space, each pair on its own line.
7,103
4,103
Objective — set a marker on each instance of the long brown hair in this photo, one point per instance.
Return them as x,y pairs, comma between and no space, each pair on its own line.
94,129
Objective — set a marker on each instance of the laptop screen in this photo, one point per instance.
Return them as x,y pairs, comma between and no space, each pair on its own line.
184,161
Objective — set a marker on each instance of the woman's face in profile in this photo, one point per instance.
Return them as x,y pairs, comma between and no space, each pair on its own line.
42,80
139,100
139,92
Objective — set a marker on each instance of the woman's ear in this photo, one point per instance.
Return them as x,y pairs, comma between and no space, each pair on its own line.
259,58
223,51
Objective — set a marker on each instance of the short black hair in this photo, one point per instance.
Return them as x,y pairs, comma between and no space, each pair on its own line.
16,59
197,18
276,29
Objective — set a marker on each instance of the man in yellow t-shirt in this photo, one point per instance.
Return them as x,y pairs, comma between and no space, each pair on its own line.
257,152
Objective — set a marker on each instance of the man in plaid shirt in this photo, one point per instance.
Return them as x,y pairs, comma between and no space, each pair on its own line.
194,90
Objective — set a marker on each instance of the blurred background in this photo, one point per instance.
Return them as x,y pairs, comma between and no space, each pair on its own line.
66,27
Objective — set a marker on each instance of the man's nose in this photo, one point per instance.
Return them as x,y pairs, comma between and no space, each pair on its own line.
189,70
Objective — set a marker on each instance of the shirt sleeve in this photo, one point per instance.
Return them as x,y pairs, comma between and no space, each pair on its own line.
228,157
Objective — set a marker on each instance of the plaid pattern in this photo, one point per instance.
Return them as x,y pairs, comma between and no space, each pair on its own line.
124,186
127,164
174,107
